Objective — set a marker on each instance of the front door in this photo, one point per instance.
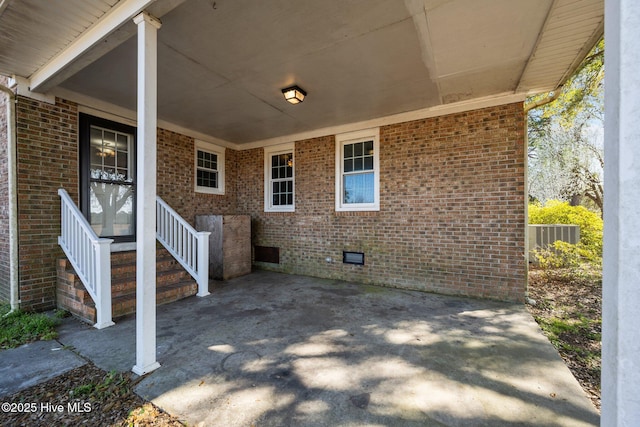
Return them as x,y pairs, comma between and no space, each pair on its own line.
108,177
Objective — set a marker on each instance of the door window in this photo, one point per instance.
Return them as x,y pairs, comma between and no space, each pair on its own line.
109,179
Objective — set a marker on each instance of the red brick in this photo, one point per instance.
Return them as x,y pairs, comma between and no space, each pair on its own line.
451,216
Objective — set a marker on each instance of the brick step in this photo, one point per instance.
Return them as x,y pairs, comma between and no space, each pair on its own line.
172,281
127,285
130,256
126,304
128,269
125,271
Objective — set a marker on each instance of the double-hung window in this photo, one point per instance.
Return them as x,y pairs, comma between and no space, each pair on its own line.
358,171
279,179
209,168
107,177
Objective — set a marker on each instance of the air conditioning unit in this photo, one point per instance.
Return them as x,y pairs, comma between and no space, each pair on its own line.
544,235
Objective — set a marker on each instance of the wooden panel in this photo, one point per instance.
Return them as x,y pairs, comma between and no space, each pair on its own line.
236,245
213,223
229,244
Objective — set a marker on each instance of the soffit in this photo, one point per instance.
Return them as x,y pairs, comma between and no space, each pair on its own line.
32,32
223,63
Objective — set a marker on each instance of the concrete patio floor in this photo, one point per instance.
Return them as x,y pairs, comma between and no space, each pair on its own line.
270,349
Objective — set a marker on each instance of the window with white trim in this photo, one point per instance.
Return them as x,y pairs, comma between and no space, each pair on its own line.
209,168
279,179
358,171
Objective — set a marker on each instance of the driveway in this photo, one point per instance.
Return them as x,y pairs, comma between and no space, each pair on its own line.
270,349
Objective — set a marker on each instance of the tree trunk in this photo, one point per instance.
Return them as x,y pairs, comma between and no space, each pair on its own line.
576,200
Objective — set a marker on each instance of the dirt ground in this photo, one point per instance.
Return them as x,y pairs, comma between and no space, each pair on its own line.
568,307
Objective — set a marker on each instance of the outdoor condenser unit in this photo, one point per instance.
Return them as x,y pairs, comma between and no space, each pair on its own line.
544,235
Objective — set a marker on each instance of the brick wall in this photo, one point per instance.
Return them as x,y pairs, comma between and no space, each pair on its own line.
47,155
48,160
451,216
175,183
4,199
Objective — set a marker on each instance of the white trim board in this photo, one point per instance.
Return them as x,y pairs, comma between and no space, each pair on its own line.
104,109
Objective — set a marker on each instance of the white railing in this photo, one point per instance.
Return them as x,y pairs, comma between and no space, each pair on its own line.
89,255
188,246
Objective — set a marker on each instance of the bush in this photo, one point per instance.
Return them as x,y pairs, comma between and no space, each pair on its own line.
563,254
559,255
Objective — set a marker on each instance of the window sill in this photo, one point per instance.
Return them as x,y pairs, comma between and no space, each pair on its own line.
216,191
288,210
356,213
123,247
364,208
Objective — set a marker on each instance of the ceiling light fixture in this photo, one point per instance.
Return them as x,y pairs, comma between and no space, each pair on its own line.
104,152
294,94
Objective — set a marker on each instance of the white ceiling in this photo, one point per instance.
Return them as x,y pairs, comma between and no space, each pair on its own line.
223,63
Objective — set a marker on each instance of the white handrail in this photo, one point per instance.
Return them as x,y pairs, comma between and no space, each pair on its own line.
89,255
188,246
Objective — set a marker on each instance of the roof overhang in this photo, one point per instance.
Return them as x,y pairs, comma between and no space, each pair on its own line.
223,64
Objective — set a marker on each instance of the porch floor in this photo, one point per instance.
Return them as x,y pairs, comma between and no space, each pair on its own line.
270,349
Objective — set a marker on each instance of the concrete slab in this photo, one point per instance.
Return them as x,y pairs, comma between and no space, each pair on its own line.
269,349
34,363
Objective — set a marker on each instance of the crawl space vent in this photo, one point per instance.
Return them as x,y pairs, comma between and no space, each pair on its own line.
356,258
267,254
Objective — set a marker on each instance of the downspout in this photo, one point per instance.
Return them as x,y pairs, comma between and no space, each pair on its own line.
13,200
551,96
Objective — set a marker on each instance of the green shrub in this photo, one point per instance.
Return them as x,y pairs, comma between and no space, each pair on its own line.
563,254
559,255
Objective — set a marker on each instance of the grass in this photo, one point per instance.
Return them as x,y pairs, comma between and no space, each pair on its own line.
19,327
559,329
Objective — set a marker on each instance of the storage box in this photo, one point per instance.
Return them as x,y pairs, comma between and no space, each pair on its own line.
229,244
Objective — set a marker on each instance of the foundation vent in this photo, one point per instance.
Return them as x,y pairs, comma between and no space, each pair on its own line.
266,254
356,258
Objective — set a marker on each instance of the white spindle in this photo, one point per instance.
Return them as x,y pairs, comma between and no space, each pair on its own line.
89,255
188,246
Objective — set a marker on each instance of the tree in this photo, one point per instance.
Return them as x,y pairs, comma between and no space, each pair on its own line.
565,137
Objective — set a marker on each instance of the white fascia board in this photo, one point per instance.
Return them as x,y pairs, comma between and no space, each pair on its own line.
106,110
120,14
100,108
22,88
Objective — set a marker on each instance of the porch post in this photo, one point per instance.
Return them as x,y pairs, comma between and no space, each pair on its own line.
146,195
621,275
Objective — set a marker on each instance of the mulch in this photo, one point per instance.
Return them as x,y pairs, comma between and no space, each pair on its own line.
84,396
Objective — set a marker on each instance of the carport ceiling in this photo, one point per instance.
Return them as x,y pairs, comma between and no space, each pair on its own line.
223,63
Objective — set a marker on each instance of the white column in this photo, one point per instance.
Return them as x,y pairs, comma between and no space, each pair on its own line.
146,195
621,280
